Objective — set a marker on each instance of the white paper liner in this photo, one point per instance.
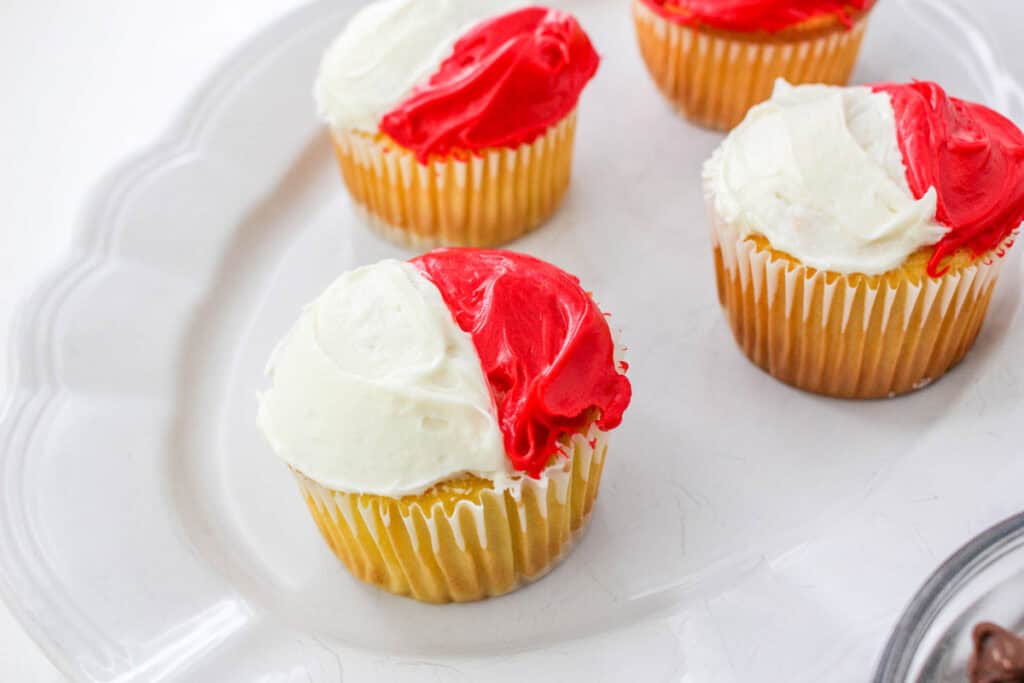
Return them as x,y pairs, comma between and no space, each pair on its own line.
484,199
848,336
514,532
714,78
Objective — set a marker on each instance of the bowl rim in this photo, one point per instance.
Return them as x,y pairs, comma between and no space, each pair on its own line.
919,615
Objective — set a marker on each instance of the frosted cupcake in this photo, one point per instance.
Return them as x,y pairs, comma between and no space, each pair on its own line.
859,232
446,419
453,123
715,59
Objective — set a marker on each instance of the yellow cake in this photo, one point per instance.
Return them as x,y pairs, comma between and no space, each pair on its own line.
856,249
449,446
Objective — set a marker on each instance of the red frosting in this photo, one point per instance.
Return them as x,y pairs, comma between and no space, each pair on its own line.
543,343
972,156
752,16
508,80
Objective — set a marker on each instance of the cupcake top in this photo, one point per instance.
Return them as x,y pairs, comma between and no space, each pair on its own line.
439,76
754,16
462,361
855,180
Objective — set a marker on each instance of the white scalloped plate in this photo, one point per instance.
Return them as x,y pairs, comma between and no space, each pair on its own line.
745,531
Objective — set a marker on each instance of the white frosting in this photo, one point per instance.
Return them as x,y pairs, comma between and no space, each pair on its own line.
817,170
377,390
387,49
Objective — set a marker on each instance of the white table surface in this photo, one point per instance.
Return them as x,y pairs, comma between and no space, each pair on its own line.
85,84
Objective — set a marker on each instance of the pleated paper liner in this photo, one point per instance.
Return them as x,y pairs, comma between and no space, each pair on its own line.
714,77
479,199
851,336
467,539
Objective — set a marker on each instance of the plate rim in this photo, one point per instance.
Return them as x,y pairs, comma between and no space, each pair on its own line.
34,389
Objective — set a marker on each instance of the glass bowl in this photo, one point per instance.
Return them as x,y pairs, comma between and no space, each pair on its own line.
983,581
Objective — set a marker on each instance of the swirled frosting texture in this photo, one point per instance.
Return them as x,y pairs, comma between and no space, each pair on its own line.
454,75
384,51
376,390
751,16
970,156
507,81
405,374
545,347
817,170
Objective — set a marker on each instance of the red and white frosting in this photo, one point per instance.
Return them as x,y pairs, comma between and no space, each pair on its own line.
854,180
405,374
443,76
756,16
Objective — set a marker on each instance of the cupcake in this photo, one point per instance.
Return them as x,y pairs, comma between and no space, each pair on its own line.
715,59
454,123
447,418
859,232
